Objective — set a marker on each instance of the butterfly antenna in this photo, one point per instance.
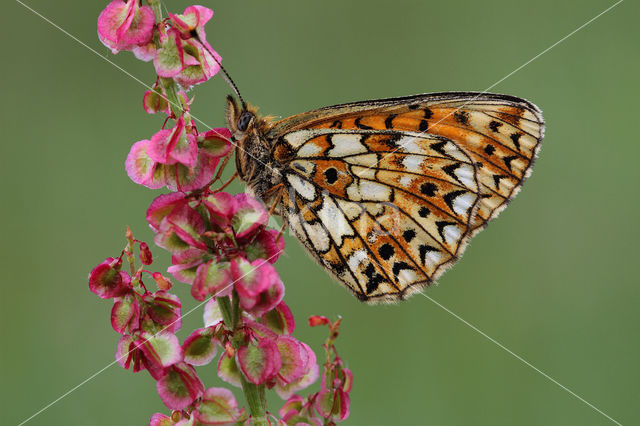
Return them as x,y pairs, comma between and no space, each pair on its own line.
225,74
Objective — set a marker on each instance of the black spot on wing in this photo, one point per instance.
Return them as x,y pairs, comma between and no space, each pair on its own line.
489,149
424,125
423,212
515,137
441,224
331,175
508,160
386,251
427,113
494,125
374,278
424,249
439,147
497,178
429,189
450,170
451,196
409,234
399,266
359,125
461,117
388,122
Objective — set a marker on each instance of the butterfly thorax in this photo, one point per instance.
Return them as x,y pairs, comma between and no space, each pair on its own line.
255,162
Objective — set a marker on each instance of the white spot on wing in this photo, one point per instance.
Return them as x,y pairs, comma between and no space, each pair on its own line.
309,149
302,187
352,210
407,276
451,233
346,144
412,163
334,220
433,258
295,139
410,144
318,236
356,259
463,202
465,174
368,160
364,172
374,191
406,180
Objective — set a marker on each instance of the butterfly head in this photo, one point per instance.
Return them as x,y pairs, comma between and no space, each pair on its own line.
254,161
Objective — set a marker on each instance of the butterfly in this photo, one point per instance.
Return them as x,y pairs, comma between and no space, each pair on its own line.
385,194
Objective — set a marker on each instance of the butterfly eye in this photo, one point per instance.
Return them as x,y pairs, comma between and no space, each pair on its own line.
244,120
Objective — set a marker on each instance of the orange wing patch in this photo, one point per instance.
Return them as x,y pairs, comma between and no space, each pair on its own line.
502,141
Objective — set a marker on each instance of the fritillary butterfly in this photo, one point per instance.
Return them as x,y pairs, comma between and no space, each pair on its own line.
385,194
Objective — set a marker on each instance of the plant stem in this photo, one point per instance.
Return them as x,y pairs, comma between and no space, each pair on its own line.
254,394
171,90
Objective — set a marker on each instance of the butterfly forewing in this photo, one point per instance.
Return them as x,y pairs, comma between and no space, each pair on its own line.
385,194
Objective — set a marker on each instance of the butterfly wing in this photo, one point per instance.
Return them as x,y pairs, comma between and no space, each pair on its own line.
385,194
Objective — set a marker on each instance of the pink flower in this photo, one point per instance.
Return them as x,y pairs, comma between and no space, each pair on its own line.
173,159
108,281
212,278
124,25
308,376
217,407
186,58
164,309
173,146
200,347
215,142
279,319
260,362
159,419
249,217
268,245
125,314
180,386
258,285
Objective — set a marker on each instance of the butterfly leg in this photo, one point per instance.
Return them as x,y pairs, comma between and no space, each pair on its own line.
278,190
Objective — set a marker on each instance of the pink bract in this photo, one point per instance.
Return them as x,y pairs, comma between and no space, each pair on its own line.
173,146
107,280
142,169
212,278
249,217
159,419
180,386
310,375
259,362
164,309
169,59
200,347
125,314
125,25
217,407
280,319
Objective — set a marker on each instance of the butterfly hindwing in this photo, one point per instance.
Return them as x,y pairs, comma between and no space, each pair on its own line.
385,211
385,194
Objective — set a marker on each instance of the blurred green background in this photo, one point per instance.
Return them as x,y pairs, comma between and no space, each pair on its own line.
554,279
